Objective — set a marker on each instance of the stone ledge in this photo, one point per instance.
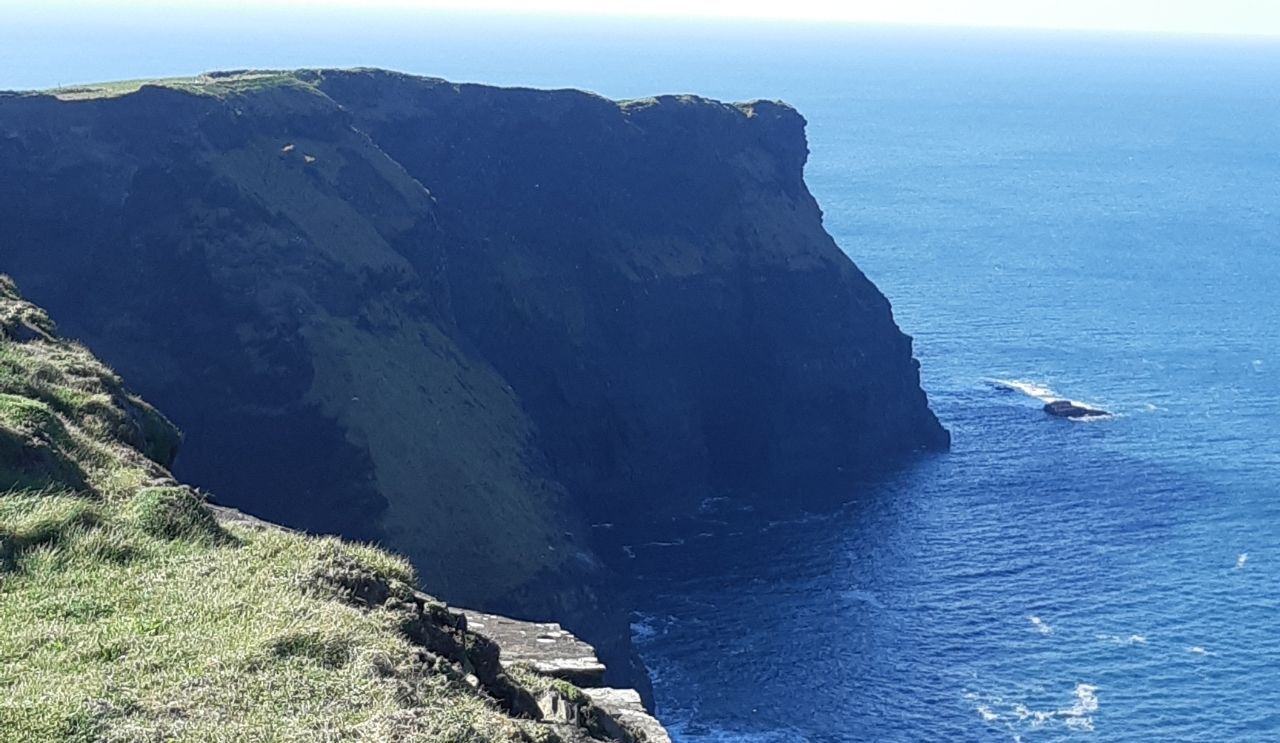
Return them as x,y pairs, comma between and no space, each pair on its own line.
545,646
624,707
553,651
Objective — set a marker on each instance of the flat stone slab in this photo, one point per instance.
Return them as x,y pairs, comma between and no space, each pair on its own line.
231,516
625,707
546,646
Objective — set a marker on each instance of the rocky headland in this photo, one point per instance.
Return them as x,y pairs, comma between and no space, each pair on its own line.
460,321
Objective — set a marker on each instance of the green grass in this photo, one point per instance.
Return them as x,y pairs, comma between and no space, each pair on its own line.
174,513
218,84
129,614
184,640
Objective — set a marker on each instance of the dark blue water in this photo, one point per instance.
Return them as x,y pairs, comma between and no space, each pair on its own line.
1093,215
1101,221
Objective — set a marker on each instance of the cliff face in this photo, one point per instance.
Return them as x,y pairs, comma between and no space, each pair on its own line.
461,320
654,281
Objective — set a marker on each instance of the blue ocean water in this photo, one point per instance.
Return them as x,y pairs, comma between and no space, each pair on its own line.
1097,219
1095,215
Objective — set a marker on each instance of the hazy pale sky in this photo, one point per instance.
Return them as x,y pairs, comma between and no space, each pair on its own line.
1251,17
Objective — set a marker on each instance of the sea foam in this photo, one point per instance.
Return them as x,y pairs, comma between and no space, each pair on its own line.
1133,639
1040,392
1018,717
1041,625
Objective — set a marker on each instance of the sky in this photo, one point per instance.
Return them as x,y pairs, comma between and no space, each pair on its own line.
53,43
1235,17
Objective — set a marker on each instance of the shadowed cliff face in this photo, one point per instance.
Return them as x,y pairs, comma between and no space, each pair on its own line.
654,280
462,320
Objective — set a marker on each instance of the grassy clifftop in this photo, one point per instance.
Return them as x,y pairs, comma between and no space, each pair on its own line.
130,613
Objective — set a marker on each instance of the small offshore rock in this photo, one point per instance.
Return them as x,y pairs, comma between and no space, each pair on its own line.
1068,409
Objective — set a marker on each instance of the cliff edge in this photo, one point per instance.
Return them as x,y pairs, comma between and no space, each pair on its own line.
132,610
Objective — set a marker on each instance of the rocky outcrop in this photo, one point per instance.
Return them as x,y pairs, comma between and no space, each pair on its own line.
1069,409
630,718
463,321
551,652
545,647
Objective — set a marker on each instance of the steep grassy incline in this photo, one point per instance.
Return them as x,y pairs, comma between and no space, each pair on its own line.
128,612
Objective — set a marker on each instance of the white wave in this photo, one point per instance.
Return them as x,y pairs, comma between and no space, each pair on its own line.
1241,560
1197,650
1040,392
629,551
1080,714
1036,718
1041,625
1017,717
1046,394
644,628
1118,640
1109,416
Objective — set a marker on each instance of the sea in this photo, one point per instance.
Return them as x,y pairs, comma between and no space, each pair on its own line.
1093,217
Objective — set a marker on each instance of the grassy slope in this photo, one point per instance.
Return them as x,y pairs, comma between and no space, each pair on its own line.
130,614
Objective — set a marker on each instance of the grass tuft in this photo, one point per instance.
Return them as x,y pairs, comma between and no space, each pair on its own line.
174,513
32,520
327,650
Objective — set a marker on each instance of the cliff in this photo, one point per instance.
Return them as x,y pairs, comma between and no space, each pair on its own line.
463,321
132,610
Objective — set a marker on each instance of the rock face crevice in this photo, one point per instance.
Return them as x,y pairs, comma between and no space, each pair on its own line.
459,320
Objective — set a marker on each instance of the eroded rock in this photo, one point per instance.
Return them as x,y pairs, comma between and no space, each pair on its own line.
630,720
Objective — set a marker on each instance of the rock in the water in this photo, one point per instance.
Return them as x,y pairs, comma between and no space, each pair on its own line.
1069,409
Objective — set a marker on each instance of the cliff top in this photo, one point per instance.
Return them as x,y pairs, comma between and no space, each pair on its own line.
131,613
224,83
